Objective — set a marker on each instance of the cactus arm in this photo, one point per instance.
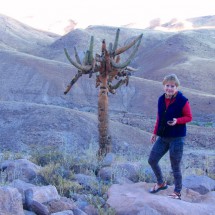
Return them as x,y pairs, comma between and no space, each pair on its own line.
116,41
128,61
110,48
120,83
77,56
124,48
93,68
90,60
121,65
129,68
86,58
77,76
77,65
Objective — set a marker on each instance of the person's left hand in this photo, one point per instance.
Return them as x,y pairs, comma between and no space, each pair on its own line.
153,138
173,122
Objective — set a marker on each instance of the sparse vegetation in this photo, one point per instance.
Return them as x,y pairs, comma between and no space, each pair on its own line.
62,179
10,155
204,124
60,167
99,204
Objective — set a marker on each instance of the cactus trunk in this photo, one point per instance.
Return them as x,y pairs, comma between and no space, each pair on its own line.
103,119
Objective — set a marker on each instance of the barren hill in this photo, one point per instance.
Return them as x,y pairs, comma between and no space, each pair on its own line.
19,37
189,54
205,21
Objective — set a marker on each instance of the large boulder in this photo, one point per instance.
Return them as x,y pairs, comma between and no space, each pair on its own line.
135,199
10,201
202,184
21,169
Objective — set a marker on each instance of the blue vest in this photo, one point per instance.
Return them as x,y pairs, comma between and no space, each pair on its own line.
174,110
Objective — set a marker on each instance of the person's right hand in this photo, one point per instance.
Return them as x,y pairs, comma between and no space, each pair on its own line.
153,138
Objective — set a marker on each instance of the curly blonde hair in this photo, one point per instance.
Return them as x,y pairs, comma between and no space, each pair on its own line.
171,77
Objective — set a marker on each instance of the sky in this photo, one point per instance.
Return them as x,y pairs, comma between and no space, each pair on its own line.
54,15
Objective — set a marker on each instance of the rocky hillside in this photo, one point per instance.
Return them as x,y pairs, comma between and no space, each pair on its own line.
22,196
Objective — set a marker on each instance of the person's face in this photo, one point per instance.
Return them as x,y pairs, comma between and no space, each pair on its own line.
170,88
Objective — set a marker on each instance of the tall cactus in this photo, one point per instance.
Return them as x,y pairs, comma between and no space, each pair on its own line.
107,67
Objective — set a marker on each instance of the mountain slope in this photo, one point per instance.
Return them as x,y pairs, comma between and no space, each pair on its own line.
186,53
19,37
33,75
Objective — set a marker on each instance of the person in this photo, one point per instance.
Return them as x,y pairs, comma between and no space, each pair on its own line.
169,133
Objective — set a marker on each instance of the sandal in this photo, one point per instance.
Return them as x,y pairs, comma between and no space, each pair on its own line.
175,196
158,187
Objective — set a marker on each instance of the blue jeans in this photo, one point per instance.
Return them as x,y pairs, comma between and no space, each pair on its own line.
159,149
